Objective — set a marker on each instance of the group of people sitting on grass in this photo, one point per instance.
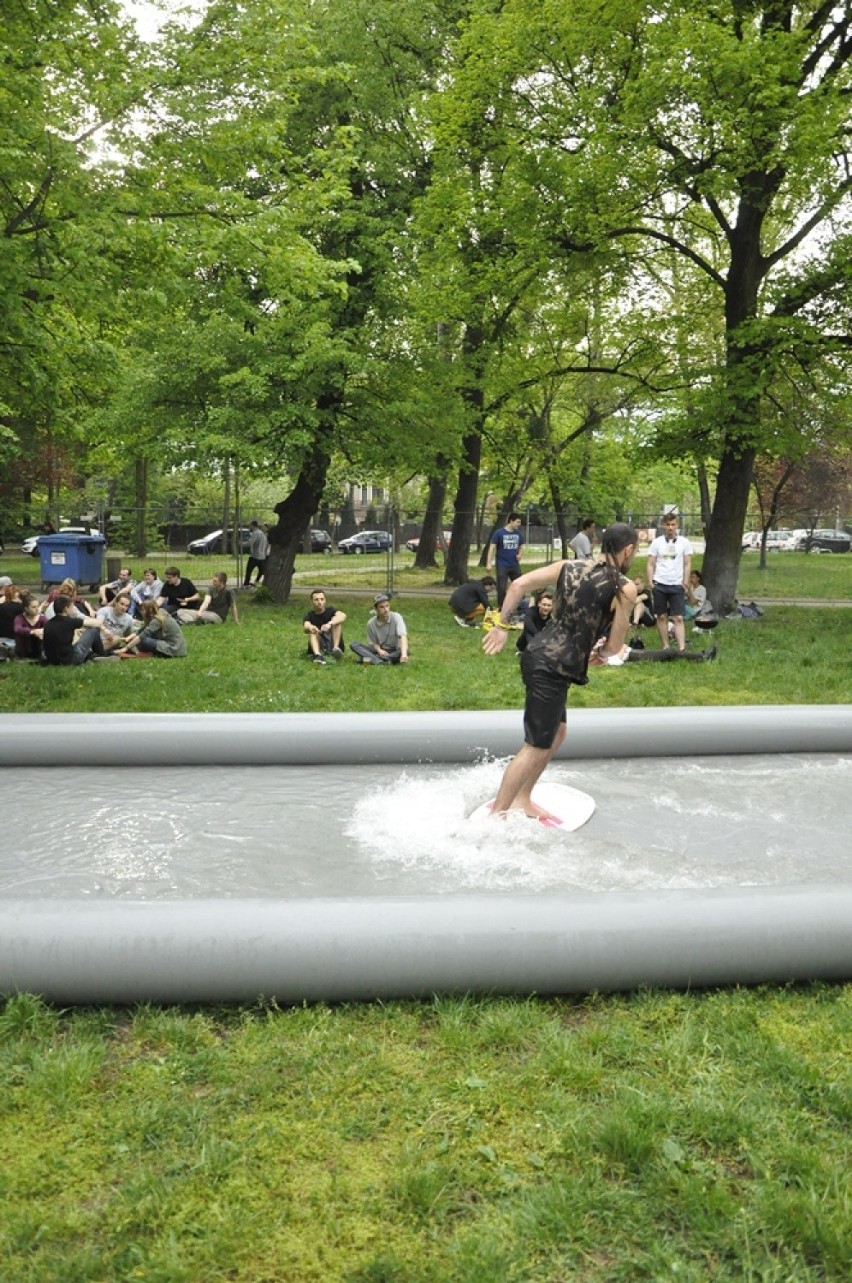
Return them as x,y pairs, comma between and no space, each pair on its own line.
387,635
133,620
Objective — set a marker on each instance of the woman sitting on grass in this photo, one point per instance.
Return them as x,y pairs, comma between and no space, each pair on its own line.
159,635
29,628
79,608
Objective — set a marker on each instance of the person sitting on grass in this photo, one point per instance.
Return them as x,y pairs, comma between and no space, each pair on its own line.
217,604
148,589
10,607
642,616
118,619
124,583
59,645
697,603
29,628
78,608
159,635
178,593
387,637
536,617
324,626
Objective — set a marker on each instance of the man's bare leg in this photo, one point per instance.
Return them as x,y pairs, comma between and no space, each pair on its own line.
663,629
679,631
521,776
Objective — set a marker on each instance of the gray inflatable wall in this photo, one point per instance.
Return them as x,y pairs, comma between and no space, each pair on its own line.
304,739
233,950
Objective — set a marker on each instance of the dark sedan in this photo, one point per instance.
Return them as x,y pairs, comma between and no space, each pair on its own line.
319,541
827,541
366,541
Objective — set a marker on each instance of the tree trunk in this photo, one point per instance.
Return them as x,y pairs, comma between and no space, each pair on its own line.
744,365
294,515
433,524
704,496
141,495
724,541
464,508
559,514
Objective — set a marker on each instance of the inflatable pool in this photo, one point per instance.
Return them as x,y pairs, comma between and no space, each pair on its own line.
304,857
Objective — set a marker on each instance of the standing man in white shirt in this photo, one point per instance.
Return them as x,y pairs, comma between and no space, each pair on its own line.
669,566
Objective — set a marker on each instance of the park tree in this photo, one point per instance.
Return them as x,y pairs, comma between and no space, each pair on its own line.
72,72
281,159
714,135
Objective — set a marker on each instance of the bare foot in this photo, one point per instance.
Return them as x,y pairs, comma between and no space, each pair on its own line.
533,811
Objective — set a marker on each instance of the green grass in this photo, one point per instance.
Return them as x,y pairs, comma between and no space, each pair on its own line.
646,1136
791,655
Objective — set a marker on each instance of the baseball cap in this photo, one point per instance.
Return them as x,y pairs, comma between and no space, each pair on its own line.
5,581
380,596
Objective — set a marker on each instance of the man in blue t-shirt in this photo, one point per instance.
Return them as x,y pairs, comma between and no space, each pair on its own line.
505,548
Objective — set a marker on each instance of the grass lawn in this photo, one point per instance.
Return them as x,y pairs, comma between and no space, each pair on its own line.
643,1136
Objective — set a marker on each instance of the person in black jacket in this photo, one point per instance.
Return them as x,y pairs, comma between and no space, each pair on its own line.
536,617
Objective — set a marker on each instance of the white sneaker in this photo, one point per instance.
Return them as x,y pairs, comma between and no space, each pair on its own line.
462,623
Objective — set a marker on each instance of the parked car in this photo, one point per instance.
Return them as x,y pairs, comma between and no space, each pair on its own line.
413,544
321,541
824,541
211,543
366,541
778,540
30,546
751,540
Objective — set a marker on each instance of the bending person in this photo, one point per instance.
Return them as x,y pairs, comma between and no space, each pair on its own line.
589,596
470,601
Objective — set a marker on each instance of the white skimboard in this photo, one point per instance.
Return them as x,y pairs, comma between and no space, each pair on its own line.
571,807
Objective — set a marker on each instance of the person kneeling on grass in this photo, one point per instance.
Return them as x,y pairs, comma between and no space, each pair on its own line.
217,604
387,636
159,635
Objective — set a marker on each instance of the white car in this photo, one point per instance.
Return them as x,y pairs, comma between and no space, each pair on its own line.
30,546
779,540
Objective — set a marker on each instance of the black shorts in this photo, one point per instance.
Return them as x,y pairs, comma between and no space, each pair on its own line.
547,695
669,599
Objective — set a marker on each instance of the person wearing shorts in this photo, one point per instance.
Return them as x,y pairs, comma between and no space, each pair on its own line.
669,565
592,598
